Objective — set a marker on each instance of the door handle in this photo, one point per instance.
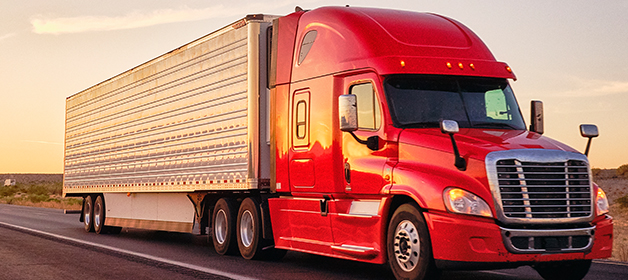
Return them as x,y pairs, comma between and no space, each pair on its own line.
347,172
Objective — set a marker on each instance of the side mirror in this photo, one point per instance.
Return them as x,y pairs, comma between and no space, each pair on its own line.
348,112
449,127
536,116
589,131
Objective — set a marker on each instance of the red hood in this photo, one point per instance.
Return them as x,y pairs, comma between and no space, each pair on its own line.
426,156
476,143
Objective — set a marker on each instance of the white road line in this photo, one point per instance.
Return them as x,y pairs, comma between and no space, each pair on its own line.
604,261
498,273
135,254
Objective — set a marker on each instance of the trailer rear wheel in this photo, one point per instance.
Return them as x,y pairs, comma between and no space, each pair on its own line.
223,225
249,229
88,213
409,248
99,215
565,270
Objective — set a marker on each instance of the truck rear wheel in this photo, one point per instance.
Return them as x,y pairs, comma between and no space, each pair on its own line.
565,270
249,229
409,248
223,225
88,213
249,233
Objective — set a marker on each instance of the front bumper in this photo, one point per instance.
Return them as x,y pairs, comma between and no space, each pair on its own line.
459,240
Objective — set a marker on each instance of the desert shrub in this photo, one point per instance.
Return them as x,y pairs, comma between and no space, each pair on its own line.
35,198
596,171
37,190
53,188
8,191
74,201
622,171
622,201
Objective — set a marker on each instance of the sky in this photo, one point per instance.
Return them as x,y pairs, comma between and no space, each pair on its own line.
572,55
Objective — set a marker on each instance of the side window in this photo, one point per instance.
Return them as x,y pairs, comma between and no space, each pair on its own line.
496,107
369,116
306,44
301,119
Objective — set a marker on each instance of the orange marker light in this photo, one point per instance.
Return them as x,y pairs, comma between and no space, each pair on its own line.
448,65
460,65
508,69
472,66
403,63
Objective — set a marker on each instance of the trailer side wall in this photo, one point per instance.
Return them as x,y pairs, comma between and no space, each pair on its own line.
185,121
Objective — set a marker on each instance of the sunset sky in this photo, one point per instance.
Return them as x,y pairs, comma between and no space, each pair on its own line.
572,55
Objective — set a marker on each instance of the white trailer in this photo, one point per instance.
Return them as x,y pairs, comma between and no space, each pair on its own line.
153,141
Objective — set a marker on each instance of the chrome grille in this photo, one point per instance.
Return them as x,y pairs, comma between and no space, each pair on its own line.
544,190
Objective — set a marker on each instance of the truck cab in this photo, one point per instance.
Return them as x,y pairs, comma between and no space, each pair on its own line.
396,137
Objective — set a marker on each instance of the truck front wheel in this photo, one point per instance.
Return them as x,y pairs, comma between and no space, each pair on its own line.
565,270
409,248
223,225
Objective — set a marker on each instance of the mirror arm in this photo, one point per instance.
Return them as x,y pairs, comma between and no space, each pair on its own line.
460,162
363,142
586,151
371,142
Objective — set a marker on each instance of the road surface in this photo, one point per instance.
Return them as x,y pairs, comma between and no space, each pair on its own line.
39,243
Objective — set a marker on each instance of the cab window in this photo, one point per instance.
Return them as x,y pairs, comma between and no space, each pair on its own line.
369,116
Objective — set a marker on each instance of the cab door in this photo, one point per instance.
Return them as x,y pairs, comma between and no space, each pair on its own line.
363,167
357,217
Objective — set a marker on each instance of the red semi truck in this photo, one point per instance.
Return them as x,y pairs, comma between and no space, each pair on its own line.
373,135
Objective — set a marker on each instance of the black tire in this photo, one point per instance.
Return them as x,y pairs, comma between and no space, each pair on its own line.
249,234
223,227
249,229
564,270
99,215
408,245
88,213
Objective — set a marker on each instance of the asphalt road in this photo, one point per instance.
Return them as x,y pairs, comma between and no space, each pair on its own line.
38,243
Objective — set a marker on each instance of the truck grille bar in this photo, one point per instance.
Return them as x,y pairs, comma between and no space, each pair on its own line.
544,189
539,186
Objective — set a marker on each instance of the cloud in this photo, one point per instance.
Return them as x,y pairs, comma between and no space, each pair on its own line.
594,88
7,36
42,142
79,24
132,20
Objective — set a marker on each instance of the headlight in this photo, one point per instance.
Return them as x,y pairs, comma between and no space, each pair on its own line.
601,202
464,202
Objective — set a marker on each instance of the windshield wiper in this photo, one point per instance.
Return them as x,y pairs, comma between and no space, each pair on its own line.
494,124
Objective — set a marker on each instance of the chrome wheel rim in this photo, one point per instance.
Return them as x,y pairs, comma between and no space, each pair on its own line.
407,245
97,214
220,226
87,217
246,228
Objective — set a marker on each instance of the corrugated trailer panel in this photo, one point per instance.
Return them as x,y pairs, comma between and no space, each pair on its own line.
179,122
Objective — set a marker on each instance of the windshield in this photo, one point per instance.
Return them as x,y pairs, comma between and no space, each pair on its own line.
474,102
